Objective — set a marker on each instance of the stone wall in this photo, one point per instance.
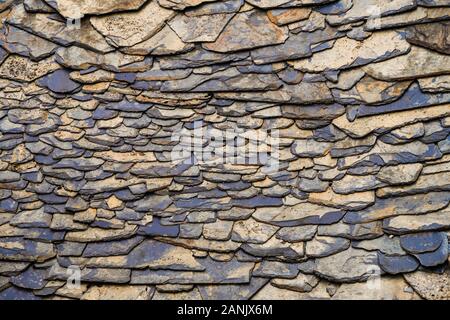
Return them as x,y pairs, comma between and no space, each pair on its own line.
201,149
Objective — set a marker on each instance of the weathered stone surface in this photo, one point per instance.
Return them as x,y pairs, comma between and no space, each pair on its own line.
384,244
351,184
286,16
77,9
348,266
164,42
297,46
384,122
432,286
435,84
426,222
301,214
97,234
79,58
252,231
275,248
323,170
297,234
181,4
220,230
21,42
233,37
325,246
157,229
204,28
127,29
302,283
57,31
310,148
269,291
401,174
363,10
353,201
412,17
276,269
375,48
423,184
419,62
150,254
390,288
433,35
22,69
110,292
32,219
232,272
408,205
25,250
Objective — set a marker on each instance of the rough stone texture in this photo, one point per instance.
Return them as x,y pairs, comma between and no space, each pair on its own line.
323,168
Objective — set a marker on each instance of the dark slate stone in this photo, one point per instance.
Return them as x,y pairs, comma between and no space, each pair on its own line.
76,204
202,204
9,176
438,257
290,76
8,205
316,112
127,77
163,170
260,251
13,293
44,234
234,186
152,203
435,136
296,46
31,279
52,198
157,229
129,214
67,249
199,58
258,201
413,98
106,224
337,7
307,267
102,113
397,264
421,242
431,153
112,248
434,36
128,106
328,134
267,68
230,272
59,82
444,145
35,176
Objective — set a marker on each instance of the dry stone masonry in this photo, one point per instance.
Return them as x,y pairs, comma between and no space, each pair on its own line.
103,197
